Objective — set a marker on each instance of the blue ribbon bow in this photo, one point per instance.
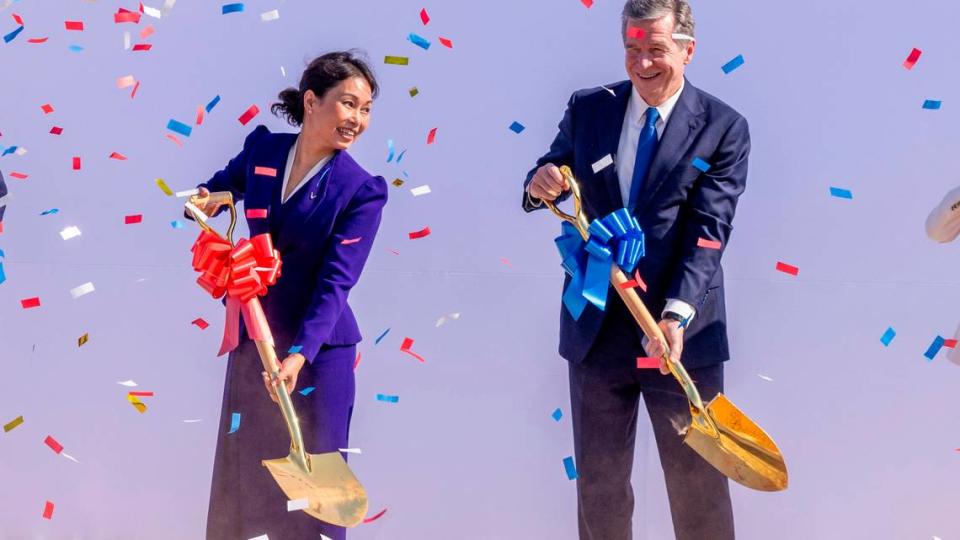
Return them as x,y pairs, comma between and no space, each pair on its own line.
614,238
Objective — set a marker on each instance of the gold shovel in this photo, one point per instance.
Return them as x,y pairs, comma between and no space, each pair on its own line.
333,493
720,432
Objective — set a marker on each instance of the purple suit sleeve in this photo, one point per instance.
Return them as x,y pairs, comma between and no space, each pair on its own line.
342,264
233,177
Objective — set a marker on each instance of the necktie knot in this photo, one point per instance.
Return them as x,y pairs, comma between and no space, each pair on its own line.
652,116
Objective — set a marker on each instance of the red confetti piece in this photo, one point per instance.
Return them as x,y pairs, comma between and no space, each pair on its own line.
635,32
357,361
637,281
118,156
432,136
46,108
53,444
48,510
140,394
445,42
28,303
648,362
132,219
419,234
405,347
787,268
200,323
133,92
912,58
142,46
709,244
76,163
18,19
348,241
175,139
424,17
265,171
147,32
256,213
37,40
249,114
506,261
200,115
950,343
56,130
74,25
19,175
376,517
124,16
587,3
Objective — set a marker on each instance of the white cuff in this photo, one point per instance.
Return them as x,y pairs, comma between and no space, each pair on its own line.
530,201
681,308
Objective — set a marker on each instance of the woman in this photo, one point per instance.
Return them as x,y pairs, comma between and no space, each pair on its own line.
322,216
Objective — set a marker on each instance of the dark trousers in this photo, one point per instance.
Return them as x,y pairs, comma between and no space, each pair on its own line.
605,392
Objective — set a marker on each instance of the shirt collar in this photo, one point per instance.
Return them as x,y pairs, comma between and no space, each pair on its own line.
637,107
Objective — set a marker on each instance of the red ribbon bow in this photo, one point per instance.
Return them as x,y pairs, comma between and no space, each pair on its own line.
242,273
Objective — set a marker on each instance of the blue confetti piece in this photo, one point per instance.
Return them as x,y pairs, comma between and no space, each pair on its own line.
3,277
295,349
213,103
306,391
932,104
234,422
75,48
12,35
400,157
176,224
381,336
419,41
934,348
570,468
557,414
388,399
733,64
9,150
405,175
231,8
888,336
517,127
700,164
841,193
389,150
50,211
179,127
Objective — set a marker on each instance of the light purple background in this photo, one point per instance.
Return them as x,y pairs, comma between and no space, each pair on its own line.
470,450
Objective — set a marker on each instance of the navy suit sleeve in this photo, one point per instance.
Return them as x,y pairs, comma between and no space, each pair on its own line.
342,264
233,177
709,214
560,153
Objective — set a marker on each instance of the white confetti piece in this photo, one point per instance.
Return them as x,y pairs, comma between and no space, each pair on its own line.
351,450
152,12
187,193
128,383
764,377
261,537
612,93
445,318
298,504
602,163
283,71
126,41
68,456
192,421
325,537
168,6
196,211
20,151
70,232
271,15
81,290
420,190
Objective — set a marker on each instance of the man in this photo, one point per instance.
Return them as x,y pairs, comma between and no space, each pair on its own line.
633,144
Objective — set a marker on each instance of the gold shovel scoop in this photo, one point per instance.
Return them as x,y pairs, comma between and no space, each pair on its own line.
333,493
720,432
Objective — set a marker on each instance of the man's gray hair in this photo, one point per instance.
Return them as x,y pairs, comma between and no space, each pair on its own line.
656,9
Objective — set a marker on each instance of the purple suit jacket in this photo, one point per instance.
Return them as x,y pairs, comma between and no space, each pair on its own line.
308,304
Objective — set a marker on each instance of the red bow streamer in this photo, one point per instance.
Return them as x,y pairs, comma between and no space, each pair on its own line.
242,273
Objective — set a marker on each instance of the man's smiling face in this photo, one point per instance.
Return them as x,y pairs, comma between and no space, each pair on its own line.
655,62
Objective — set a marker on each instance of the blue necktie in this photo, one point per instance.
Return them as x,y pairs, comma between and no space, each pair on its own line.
646,148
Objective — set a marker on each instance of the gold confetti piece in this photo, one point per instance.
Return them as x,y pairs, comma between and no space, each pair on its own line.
164,187
83,339
12,424
397,182
396,60
414,91
141,407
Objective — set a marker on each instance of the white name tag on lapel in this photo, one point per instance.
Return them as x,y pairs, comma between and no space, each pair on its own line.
602,163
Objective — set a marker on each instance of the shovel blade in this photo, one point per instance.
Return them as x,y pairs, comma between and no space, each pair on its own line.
739,449
333,493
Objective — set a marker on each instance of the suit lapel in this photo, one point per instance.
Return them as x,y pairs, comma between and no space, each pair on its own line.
315,195
682,128
610,124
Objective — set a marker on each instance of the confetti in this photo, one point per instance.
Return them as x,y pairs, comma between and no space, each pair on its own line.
55,130
128,383
397,182
261,537
424,18
444,318
117,156
199,119
200,323
75,48
140,406
419,234
912,58
764,377
81,290
193,421
557,414
256,213
46,108
147,32
124,16
635,32
187,193
11,425
413,91
419,41
445,42
602,163
648,362
931,104
432,136
306,391
48,510
298,504
390,150
637,281
12,35
176,224
37,40
231,8
294,349
132,219
787,268
249,114
396,60
212,104
569,466
405,348
265,171
234,422
142,47
179,127
133,92
164,187
28,303
732,64
19,175
381,336
420,190
517,127
348,241
841,193
934,348
375,517
950,343
709,244
351,450
74,25
175,140
83,340
53,444
271,15
400,158
388,399
587,3
76,163
700,164
357,361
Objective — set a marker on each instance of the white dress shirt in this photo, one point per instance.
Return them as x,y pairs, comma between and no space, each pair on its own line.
303,181
633,121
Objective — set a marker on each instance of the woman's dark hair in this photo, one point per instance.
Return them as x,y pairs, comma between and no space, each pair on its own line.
322,74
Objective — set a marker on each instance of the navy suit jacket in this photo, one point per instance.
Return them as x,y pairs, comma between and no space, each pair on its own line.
678,205
308,304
